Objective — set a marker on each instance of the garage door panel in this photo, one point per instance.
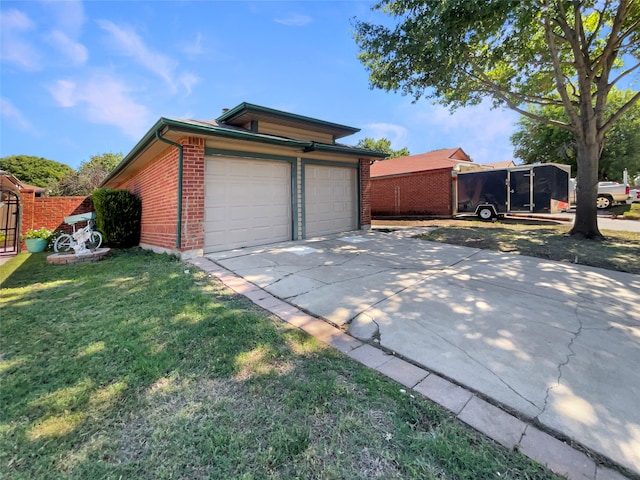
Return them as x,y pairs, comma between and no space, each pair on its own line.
330,199
247,202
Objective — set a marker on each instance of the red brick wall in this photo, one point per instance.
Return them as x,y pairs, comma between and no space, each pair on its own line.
157,187
426,193
193,193
365,192
49,212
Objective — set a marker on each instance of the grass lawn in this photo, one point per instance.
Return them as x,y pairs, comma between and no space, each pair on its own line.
133,368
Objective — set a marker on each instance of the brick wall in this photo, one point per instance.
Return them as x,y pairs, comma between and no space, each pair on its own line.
157,186
49,212
193,193
365,192
426,193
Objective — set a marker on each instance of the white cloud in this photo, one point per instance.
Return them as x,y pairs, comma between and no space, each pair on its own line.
11,115
188,81
195,48
13,47
104,100
396,134
294,20
130,44
74,51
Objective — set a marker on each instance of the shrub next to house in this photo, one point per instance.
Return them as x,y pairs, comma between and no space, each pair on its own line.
118,214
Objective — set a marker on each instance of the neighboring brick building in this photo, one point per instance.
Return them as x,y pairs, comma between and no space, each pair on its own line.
252,176
417,185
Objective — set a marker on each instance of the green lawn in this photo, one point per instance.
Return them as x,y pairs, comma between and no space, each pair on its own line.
132,368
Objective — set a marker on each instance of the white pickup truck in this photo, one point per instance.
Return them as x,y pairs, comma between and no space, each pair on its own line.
610,193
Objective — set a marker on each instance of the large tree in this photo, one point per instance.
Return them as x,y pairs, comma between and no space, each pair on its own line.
383,145
543,142
35,171
568,53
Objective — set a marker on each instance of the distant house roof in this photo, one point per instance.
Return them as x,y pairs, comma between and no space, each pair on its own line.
435,160
504,164
9,182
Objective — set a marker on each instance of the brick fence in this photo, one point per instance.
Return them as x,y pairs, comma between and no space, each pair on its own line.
49,212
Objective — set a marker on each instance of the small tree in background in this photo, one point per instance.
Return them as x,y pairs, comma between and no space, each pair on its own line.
382,145
118,215
88,177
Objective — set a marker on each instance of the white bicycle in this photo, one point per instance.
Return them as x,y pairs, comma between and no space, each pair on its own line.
91,238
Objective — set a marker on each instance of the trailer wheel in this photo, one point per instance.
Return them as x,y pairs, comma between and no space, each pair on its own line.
485,213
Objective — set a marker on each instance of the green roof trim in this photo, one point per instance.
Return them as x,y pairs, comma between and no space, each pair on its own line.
250,111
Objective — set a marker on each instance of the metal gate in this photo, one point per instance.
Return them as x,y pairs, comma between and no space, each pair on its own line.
520,191
9,210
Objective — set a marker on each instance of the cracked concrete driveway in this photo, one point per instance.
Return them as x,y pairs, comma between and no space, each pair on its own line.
555,342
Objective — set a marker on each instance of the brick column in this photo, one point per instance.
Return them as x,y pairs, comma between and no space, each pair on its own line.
365,193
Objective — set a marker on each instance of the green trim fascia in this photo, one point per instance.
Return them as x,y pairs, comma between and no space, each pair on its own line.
364,152
329,163
238,153
186,127
245,107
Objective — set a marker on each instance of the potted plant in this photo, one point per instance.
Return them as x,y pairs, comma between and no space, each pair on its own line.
37,240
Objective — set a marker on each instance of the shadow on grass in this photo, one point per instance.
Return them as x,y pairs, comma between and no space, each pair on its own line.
131,367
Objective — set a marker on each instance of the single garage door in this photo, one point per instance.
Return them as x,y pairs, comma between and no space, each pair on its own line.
247,202
330,200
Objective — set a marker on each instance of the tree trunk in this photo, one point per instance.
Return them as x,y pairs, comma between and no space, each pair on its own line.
586,221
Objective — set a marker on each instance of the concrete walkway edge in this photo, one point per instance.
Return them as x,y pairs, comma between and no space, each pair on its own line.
484,417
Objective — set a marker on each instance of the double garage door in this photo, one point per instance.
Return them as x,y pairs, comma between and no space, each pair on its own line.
249,202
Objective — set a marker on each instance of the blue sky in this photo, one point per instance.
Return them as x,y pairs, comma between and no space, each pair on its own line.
83,78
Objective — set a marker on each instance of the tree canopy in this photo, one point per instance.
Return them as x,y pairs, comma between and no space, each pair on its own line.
88,177
36,171
563,53
383,145
537,142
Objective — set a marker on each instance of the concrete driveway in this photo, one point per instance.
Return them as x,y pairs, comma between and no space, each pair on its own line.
555,342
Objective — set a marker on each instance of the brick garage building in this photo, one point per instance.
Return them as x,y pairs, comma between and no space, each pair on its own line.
417,185
253,176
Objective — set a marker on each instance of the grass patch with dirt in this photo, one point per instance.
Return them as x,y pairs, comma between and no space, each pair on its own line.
134,368
620,251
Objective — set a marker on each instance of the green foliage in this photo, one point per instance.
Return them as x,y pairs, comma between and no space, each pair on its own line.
88,177
43,233
118,214
536,142
36,171
633,213
383,145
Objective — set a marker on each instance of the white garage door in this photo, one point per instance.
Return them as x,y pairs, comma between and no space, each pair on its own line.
247,202
330,200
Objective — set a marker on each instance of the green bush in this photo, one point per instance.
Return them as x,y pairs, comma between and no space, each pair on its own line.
634,212
118,215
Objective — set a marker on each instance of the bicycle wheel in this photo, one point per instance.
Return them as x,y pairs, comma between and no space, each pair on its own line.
95,241
64,243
